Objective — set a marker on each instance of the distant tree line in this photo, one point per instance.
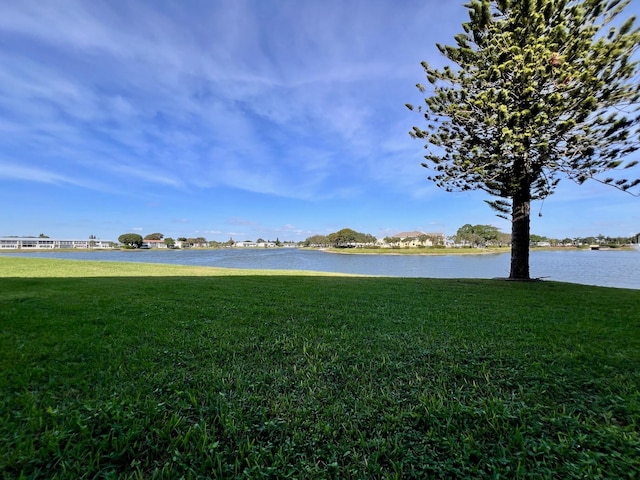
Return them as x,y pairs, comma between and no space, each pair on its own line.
592,240
468,235
345,238
479,235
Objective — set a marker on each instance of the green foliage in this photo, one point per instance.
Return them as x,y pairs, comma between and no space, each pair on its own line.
193,242
478,234
131,240
204,376
347,238
317,241
538,238
393,241
154,236
541,90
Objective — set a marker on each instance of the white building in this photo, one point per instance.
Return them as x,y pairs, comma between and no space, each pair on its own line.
153,244
38,243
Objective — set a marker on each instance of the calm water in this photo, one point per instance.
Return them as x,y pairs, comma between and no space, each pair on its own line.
606,268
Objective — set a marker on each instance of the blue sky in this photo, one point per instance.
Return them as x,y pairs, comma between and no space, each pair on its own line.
237,118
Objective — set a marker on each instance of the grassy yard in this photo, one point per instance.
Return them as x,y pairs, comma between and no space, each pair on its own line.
115,370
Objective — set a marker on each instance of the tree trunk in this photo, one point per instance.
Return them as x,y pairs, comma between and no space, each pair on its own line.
520,222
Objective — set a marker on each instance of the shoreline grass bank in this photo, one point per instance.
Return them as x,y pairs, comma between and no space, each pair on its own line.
163,371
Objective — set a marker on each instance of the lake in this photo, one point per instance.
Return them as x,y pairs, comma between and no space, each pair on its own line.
612,268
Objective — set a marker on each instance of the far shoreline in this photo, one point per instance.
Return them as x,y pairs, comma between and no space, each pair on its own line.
453,251
457,251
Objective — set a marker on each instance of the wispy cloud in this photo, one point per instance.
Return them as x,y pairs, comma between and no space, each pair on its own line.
34,174
203,97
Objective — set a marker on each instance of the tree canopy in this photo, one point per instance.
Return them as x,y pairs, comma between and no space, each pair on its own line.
131,240
154,236
317,241
477,234
347,237
193,242
539,90
344,238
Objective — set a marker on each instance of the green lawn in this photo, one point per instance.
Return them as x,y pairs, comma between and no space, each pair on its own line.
116,370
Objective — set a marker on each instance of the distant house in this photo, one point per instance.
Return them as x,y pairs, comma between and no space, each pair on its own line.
265,244
154,244
541,244
420,239
245,244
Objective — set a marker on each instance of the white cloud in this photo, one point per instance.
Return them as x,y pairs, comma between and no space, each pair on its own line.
264,108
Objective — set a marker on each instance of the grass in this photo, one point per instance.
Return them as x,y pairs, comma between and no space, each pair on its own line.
55,268
145,371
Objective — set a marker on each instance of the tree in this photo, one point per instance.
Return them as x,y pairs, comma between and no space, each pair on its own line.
131,240
347,238
504,239
465,234
434,239
343,238
538,238
169,242
193,242
316,241
540,90
477,234
154,236
367,239
393,241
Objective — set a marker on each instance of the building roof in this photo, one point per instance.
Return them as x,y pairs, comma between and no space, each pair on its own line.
407,234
